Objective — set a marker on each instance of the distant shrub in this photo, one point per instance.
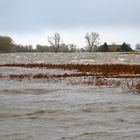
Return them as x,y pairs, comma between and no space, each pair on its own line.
131,85
138,87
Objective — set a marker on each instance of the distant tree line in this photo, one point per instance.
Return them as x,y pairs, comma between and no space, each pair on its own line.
114,48
7,46
56,44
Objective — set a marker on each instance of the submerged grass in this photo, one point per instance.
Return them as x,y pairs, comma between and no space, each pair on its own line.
98,68
98,75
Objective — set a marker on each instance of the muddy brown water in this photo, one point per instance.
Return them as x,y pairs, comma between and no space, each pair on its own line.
43,110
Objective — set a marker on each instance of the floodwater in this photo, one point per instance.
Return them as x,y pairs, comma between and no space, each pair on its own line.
66,58
51,110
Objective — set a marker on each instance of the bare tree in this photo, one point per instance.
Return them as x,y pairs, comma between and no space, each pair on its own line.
92,40
55,41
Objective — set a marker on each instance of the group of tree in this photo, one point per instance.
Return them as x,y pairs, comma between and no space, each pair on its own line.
7,45
56,44
93,39
62,48
114,48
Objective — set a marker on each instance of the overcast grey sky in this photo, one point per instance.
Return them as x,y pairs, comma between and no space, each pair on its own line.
31,21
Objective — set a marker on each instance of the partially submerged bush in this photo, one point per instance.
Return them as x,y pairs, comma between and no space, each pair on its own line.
138,87
131,85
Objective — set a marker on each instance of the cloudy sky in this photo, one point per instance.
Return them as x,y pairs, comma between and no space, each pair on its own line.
32,21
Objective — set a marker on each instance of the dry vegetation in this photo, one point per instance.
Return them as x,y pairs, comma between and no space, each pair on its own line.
98,75
105,69
131,85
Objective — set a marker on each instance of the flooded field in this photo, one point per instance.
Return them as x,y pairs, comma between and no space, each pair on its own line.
61,106
68,58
